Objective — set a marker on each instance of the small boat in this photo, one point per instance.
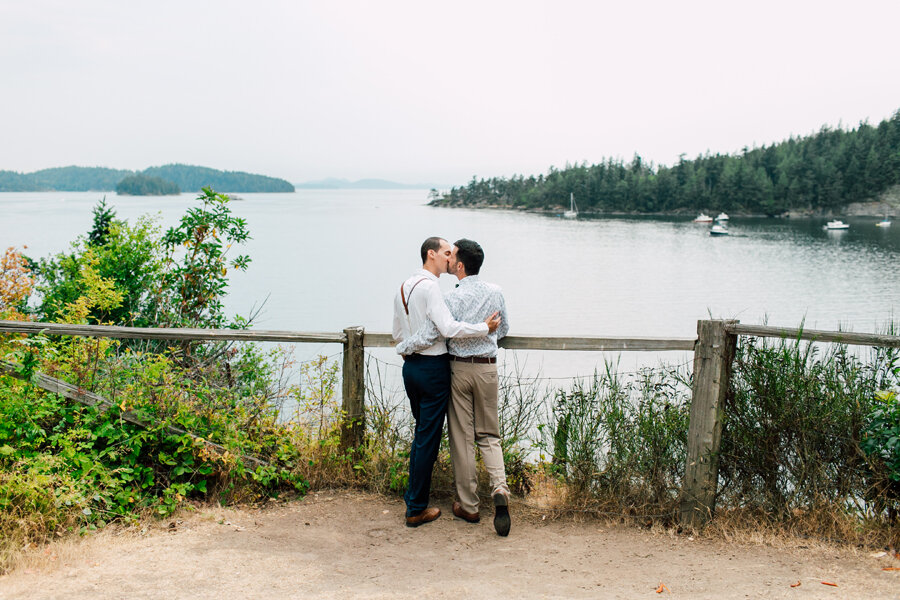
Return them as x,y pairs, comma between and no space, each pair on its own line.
703,218
836,224
883,223
718,230
573,210
722,217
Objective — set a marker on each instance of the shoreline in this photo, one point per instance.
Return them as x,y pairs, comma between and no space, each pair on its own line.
875,209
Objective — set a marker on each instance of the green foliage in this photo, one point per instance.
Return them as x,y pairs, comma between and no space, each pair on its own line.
145,185
820,172
69,467
130,257
103,218
195,283
881,440
623,440
794,424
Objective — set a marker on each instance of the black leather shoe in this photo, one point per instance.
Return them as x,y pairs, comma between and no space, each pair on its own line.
501,514
465,516
426,516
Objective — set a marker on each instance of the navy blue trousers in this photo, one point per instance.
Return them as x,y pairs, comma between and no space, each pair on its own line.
427,383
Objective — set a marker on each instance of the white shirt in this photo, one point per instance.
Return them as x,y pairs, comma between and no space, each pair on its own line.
426,302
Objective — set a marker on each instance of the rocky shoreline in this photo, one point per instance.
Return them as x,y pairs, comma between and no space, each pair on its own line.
888,203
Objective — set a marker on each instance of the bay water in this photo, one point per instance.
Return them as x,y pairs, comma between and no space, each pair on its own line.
323,260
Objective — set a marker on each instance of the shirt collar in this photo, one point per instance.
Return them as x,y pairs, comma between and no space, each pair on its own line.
470,279
428,274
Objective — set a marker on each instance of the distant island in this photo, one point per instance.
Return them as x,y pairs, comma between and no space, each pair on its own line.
361,184
143,185
834,171
186,178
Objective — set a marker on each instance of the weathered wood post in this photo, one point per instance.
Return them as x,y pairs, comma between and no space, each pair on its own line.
713,354
354,405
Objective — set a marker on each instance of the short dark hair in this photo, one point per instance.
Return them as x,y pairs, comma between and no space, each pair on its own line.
470,254
432,243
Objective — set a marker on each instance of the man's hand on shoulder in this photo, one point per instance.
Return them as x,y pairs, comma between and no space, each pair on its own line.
493,322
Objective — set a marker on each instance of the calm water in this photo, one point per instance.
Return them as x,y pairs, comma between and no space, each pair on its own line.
325,260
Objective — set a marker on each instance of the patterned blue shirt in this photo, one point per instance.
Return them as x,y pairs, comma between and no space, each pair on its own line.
472,301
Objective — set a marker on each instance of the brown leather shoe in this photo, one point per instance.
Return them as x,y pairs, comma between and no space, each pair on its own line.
465,516
426,516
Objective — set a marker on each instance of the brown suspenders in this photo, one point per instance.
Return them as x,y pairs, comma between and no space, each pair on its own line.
404,299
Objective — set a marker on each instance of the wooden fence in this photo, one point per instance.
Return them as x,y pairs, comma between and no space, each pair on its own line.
713,349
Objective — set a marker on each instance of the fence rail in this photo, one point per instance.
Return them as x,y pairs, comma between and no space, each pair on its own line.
713,350
814,335
370,340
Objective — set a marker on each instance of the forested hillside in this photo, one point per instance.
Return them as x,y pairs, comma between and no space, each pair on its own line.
186,177
817,173
192,179
70,179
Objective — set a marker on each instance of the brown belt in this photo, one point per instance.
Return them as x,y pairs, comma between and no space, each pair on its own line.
482,360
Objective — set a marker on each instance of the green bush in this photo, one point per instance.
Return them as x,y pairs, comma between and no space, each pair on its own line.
794,423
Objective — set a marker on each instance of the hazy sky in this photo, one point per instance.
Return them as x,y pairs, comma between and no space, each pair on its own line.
420,91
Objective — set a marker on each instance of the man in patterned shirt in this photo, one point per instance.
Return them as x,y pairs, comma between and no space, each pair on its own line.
473,415
419,305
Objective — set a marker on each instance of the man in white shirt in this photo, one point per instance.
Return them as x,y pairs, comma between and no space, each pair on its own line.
426,373
472,415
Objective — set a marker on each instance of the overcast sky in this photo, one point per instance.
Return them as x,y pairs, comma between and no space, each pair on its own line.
436,92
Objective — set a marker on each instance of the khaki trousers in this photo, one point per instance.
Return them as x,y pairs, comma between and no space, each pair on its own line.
472,419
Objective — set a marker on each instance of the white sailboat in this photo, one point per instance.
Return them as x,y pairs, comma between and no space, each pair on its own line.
884,222
573,210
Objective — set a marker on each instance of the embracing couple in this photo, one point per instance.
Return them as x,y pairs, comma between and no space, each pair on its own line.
449,349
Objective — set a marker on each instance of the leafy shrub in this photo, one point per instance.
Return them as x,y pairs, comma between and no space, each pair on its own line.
16,285
793,427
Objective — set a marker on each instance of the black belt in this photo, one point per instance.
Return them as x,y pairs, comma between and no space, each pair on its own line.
482,360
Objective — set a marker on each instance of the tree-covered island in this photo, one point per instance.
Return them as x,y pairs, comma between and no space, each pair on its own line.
142,185
818,174
187,178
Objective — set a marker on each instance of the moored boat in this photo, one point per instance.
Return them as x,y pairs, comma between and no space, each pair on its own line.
573,210
703,218
722,217
836,224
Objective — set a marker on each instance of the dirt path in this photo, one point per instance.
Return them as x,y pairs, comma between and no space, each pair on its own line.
351,545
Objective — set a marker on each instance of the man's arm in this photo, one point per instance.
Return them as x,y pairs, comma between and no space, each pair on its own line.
503,329
436,310
426,336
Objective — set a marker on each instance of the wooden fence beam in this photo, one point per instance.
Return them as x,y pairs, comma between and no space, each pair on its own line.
354,388
713,356
170,333
815,335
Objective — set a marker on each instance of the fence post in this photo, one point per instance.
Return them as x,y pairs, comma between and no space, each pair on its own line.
354,405
713,354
